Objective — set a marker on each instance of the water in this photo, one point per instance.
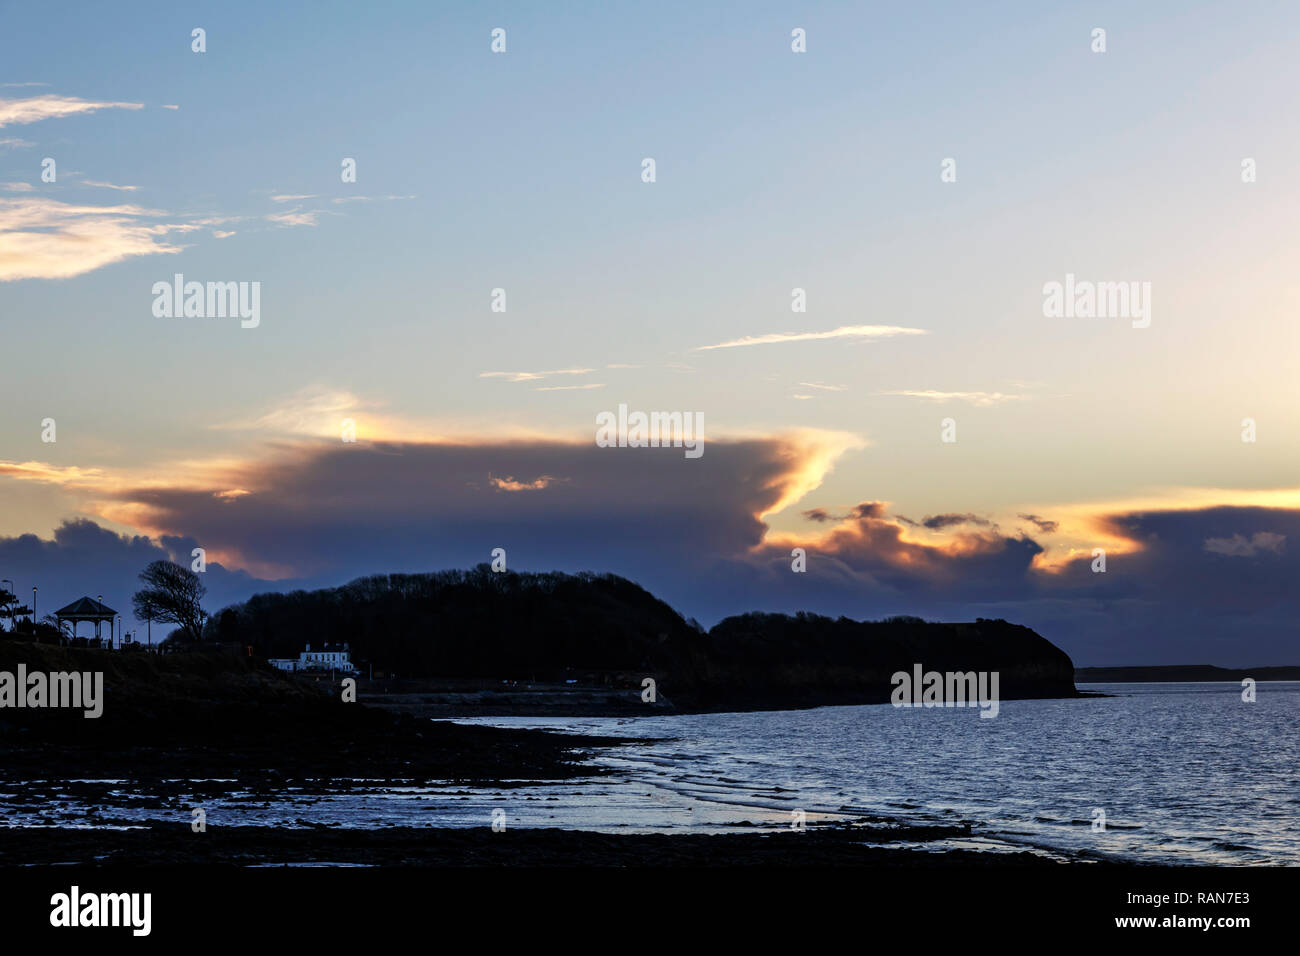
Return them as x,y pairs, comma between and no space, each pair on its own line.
1186,773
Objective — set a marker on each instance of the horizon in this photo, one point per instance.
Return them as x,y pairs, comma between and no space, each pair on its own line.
951,331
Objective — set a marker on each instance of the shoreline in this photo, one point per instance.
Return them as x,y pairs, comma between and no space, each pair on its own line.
450,700
166,843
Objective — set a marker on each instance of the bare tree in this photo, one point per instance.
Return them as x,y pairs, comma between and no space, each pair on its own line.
172,595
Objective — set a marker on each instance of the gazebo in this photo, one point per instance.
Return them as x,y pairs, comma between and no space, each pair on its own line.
87,609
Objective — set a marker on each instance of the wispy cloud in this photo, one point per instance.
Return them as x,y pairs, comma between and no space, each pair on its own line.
843,332
292,197
46,473
17,187
534,376
821,387
100,185
14,142
568,388
343,199
982,399
43,238
294,217
36,108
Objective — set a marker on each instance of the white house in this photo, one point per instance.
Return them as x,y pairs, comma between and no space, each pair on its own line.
322,660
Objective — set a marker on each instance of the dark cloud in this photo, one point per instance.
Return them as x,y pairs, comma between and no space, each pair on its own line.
1214,585
1044,525
939,522
336,508
83,559
867,509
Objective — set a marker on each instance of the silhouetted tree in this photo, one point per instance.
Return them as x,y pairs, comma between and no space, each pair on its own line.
172,595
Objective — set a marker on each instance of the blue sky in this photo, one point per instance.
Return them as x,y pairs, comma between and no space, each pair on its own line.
775,170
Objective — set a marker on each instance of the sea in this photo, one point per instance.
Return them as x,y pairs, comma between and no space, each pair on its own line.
1167,773
1159,772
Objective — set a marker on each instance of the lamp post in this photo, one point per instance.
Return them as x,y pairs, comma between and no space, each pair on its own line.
33,612
119,629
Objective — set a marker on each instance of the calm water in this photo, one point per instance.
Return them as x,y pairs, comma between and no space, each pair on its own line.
1184,772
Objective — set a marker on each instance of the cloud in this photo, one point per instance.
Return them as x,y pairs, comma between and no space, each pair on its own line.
534,376
1044,525
46,473
568,388
49,106
344,199
940,522
101,185
1181,585
867,509
982,399
18,187
287,197
314,410
1239,546
311,507
13,142
84,559
46,239
843,332
511,484
294,217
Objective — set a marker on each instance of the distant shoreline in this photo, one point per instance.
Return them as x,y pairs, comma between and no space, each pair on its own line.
451,699
1181,673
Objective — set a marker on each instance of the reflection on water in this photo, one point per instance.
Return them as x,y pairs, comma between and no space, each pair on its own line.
1184,772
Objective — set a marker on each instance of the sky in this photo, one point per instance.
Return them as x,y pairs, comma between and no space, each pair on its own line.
824,171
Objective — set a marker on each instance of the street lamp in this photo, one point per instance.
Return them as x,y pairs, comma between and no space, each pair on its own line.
33,612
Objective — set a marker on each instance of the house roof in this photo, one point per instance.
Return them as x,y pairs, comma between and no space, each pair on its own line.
86,608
